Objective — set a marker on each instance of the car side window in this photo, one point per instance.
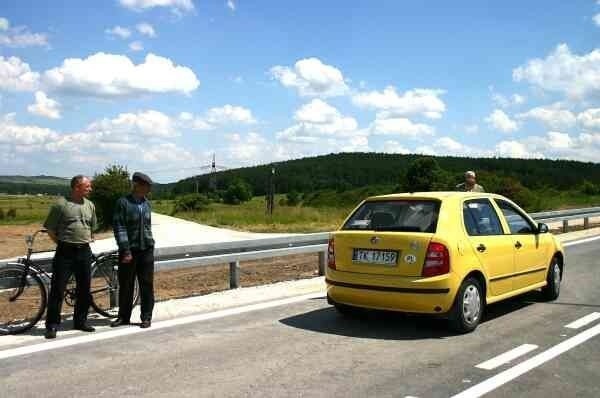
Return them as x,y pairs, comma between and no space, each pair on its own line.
480,218
517,223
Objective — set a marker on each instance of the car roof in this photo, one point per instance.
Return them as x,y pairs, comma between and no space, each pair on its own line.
441,195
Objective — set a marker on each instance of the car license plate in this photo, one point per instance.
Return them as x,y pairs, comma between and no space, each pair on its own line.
382,257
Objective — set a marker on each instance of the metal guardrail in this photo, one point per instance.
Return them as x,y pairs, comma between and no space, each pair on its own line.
232,253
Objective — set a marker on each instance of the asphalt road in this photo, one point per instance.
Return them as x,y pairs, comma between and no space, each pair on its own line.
306,349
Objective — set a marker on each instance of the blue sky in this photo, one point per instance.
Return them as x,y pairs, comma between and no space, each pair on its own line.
159,85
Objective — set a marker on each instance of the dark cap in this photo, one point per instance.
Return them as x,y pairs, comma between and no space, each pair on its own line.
141,177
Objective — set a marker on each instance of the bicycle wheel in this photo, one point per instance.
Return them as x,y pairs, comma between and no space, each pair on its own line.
105,286
23,299
71,291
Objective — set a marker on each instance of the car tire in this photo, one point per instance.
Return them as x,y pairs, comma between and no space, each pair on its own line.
551,291
467,310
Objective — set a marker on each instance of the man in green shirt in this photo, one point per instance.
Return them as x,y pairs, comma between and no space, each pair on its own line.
71,224
470,184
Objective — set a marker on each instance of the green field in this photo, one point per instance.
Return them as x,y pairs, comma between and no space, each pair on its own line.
326,211
29,209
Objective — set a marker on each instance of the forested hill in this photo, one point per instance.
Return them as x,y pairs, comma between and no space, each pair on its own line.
351,170
33,185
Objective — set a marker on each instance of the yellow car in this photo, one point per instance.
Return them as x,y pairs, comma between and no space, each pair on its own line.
445,253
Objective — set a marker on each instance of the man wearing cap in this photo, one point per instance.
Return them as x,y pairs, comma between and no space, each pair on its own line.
71,223
133,231
470,184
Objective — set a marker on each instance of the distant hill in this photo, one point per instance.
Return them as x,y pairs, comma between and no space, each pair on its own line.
18,185
346,171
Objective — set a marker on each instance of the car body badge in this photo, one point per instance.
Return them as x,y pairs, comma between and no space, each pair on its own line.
410,258
414,245
375,240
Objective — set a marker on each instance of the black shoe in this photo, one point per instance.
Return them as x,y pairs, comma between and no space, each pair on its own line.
85,328
119,322
145,324
50,333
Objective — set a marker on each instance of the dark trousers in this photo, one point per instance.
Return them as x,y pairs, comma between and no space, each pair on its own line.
142,267
69,260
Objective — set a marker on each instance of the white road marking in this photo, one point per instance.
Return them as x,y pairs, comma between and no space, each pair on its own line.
594,316
504,377
125,331
579,242
507,357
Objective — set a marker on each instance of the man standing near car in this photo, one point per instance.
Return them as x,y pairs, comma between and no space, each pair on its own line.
470,184
133,231
71,224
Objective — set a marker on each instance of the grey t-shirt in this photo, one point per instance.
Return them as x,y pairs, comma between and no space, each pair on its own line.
72,222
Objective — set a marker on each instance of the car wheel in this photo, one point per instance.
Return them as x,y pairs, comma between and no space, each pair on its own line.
346,310
552,290
468,306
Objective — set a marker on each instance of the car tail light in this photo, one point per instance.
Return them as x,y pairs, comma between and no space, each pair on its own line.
437,260
331,254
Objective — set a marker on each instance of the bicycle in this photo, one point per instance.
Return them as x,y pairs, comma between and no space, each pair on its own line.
24,289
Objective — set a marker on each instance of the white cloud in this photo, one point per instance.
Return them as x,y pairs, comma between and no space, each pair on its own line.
216,117
108,75
118,31
557,140
44,106
4,24
577,76
318,120
401,127
449,144
176,6
552,116
504,101
501,121
12,133
231,5
149,123
16,75
136,46
311,77
472,128
590,119
395,147
512,149
20,36
146,29
596,19
424,102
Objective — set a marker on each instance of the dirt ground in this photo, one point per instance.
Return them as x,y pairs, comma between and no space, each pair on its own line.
12,239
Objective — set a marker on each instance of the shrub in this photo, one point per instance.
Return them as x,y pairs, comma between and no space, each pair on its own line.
238,192
589,188
292,198
109,186
190,202
2,214
11,213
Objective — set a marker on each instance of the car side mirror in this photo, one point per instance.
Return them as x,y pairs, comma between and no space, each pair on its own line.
542,228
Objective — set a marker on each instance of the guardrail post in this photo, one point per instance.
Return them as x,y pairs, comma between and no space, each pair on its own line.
565,226
234,275
586,223
322,263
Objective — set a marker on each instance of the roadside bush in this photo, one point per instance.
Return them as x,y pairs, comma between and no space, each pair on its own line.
292,198
2,214
238,192
589,188
424,175
11,214
190,202
109,186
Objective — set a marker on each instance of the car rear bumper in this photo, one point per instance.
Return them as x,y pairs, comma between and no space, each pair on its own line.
413,295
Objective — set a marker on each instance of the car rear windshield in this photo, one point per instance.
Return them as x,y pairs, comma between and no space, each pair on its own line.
395,215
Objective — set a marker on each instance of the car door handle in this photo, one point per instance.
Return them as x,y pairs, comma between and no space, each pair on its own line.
481,248
518,245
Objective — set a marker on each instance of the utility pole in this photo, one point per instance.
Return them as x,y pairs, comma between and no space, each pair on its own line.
212,182
270,194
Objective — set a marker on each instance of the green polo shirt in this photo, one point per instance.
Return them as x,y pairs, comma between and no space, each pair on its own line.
72,222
